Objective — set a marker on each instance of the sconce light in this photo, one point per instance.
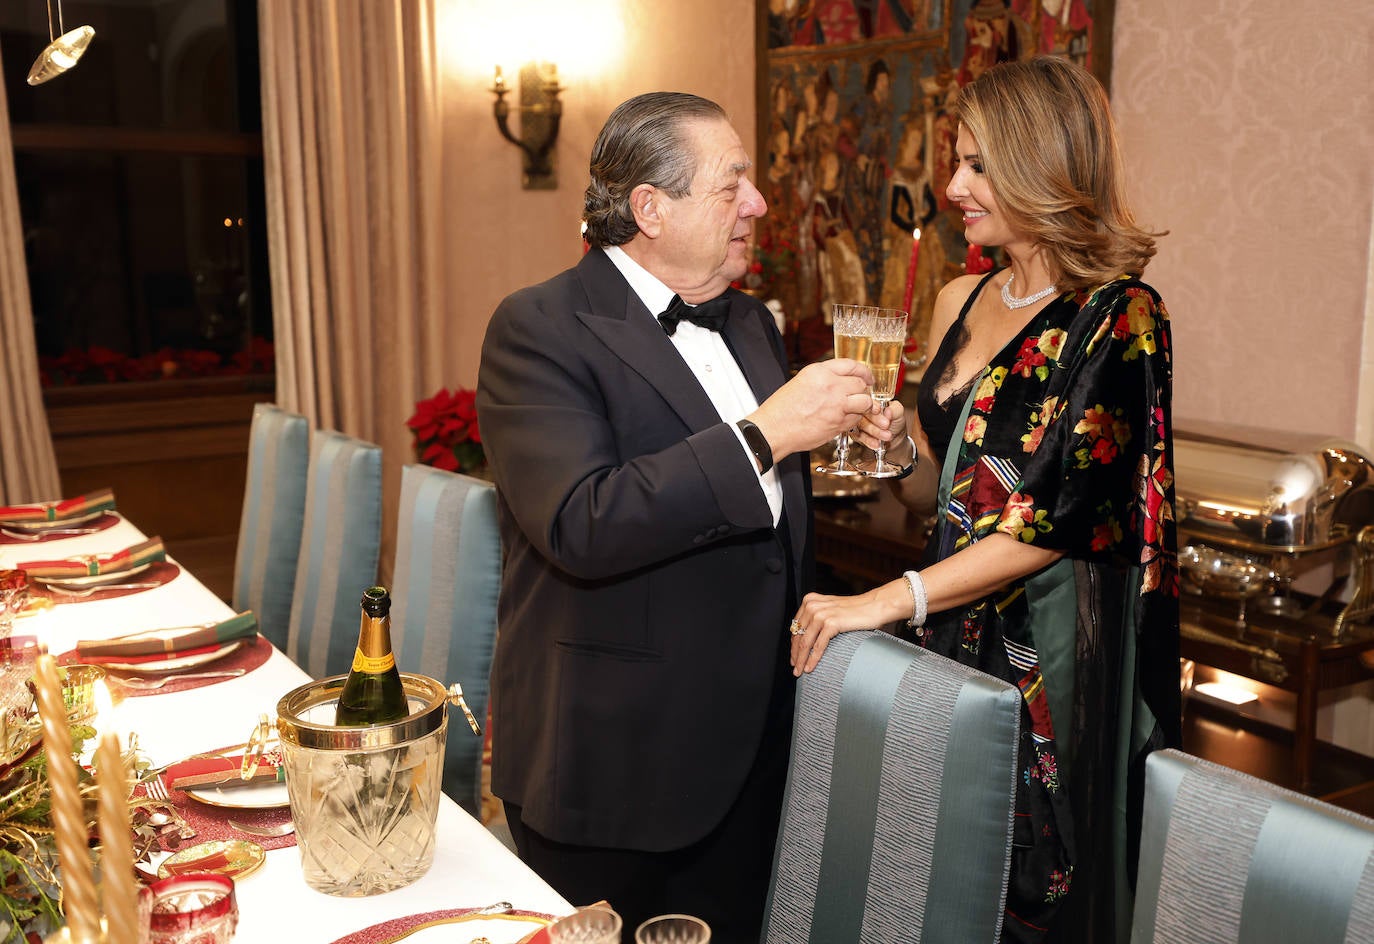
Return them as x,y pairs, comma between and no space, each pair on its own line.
63,49
540,113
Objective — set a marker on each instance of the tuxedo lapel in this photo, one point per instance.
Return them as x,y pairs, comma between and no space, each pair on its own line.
622,322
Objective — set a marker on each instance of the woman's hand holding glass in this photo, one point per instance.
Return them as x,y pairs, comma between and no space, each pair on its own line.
887,339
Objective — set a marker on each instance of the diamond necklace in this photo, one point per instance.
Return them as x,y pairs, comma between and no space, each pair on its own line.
1012,302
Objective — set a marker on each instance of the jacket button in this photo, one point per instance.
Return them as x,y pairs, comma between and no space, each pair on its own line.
773,565
698,538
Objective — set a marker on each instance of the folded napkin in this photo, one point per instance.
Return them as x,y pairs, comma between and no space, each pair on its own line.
102,500
223,770
91,565
159,644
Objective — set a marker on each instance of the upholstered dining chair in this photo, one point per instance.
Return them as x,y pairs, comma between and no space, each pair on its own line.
897,821
273,515
448,575
1225,857
340,545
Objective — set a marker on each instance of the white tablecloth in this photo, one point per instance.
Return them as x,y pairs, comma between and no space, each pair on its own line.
471,867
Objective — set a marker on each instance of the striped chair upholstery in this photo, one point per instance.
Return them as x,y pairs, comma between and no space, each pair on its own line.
273,515
448,575
1225,857
897,821
340,545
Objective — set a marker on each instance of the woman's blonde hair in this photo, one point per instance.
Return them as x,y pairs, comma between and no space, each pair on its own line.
1048,144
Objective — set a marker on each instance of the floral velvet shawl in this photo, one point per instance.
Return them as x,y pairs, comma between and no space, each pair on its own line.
1066,444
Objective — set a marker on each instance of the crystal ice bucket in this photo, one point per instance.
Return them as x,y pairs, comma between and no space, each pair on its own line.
364,799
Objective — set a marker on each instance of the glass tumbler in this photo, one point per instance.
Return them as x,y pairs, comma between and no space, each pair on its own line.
190,909
673,929
594,925
14,596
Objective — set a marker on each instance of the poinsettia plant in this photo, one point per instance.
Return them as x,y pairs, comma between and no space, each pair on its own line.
446,434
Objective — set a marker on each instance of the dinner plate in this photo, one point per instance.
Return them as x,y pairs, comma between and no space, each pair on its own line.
173,663
250,796
94,580
232,857
455,925
37,527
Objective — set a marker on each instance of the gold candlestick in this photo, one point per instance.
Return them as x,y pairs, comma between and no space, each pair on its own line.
118,890
79,902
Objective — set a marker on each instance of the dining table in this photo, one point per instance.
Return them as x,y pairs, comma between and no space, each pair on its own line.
471,869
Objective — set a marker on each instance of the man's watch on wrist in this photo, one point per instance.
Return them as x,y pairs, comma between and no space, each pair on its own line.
758,444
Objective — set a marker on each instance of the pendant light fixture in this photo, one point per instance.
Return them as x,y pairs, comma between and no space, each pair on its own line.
63,49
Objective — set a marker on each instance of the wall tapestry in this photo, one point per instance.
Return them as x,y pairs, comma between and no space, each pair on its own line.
860,142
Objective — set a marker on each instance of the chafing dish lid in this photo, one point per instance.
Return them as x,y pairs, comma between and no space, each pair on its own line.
1247,486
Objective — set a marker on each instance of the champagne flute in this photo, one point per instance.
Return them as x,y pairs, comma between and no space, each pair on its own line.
852,328
887,338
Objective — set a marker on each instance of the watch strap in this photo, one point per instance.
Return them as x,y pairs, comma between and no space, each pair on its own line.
758,444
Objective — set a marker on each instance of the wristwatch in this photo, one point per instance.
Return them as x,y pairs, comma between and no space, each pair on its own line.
758,444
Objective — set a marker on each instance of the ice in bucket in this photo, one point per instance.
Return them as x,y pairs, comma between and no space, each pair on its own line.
364,799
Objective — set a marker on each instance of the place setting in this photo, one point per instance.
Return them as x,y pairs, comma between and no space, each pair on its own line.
176,658
233,821
45,522
89,577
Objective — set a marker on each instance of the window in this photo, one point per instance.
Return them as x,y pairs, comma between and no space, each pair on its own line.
140,180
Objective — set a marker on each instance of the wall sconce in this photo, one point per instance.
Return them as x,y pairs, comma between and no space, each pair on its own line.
540,113
63,49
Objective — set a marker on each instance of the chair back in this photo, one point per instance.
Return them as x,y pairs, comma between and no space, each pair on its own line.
340,546
897,821
273,516
1226,857
448,576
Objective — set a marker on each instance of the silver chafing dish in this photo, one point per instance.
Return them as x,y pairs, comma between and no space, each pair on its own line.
1258,509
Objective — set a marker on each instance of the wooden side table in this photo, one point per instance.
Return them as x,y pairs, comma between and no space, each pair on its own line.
1299,655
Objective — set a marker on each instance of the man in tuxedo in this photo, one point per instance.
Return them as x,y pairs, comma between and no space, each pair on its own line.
653,497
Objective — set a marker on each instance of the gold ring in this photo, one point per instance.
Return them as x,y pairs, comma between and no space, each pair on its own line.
795,628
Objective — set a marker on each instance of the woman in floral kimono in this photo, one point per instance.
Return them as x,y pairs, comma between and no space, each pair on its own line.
1045,440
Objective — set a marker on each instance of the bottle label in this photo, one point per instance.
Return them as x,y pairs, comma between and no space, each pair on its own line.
370,665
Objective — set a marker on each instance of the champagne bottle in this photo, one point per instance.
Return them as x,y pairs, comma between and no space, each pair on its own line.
373,693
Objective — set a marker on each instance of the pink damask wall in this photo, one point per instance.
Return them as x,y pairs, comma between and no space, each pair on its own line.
1249,131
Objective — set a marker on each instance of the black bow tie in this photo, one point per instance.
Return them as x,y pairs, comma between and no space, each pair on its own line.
709,315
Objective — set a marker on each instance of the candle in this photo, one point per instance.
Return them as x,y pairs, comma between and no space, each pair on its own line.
119,892
69,822
911,270
975,263
500,81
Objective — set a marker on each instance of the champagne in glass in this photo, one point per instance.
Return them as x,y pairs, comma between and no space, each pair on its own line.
887,338
852,328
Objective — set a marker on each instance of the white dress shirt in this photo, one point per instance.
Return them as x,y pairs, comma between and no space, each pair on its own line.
709,357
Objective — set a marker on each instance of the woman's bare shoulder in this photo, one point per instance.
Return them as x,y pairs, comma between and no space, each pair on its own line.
948,305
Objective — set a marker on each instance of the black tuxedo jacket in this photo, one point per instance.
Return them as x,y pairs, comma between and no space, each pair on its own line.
644,591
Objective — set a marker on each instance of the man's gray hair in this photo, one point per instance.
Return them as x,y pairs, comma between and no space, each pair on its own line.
641,143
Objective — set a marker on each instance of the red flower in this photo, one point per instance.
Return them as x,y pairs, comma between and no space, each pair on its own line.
446,433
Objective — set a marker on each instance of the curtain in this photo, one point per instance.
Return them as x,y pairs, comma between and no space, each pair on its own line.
28,467
351,146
